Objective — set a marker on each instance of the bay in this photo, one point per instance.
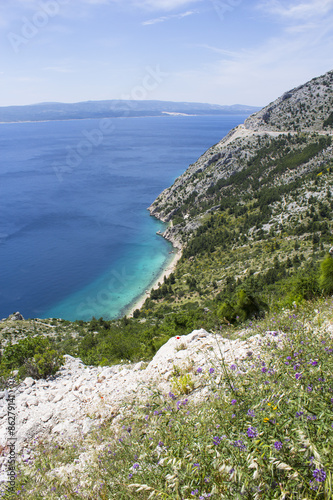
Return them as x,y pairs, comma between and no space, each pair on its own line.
76,239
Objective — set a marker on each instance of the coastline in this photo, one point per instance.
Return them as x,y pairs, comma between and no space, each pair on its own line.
165,273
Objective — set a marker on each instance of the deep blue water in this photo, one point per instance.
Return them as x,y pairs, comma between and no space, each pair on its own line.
76,240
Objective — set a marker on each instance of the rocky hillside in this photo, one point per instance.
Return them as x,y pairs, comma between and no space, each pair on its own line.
284,143
305,108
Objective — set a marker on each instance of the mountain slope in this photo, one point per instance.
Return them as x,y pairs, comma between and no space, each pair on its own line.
268,154
255,211
306,108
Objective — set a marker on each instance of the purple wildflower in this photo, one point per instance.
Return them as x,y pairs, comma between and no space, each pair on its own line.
136,466
252,432
160,443
233,401
298,376
278,445
171,395
239,444
199,370
233,367
319,475
211,370
251,413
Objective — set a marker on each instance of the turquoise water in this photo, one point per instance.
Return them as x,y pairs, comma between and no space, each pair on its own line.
76,239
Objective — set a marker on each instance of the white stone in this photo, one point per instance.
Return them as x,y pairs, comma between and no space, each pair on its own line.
29,381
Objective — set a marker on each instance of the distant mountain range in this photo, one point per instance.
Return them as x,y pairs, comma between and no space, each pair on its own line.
115,108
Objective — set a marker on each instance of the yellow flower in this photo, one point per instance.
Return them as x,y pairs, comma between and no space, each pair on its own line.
275,408
266,419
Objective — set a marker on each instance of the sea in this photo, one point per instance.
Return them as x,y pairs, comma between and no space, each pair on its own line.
76,239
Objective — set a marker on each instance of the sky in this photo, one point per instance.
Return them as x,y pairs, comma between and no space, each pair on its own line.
211,51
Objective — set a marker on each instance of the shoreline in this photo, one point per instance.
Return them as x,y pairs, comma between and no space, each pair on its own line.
165,273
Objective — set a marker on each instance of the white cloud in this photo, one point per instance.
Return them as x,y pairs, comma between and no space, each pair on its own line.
297,10
162,19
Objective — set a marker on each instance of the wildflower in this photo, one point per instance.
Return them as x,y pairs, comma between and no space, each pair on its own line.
196,465
298,376
278,445
239,444
199,370
160,443
194,492
216,440
233,401
211,370
264,369
319,475
136,466
130,475
299,414
171,395
252,432
314,363
177,337
313,486
251,413
233,367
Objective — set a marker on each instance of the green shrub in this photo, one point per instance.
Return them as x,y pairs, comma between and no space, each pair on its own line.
326,276
42,365
33,357
246,306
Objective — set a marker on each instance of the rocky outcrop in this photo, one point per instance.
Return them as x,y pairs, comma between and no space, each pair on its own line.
79,397
14,317
304,108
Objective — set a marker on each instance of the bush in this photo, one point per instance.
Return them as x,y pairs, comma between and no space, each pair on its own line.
42,365
33,357
246,306
326,276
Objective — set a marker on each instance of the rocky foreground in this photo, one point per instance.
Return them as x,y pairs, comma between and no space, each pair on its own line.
80,397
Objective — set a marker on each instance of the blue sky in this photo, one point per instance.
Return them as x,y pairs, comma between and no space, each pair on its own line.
216,51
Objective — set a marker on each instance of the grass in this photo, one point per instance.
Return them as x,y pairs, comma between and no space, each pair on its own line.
258,429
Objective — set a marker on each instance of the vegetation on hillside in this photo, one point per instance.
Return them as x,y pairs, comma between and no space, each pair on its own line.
261,429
